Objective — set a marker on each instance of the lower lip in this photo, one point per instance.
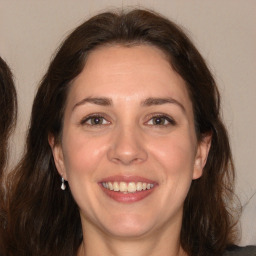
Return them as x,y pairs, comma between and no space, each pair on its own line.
128,197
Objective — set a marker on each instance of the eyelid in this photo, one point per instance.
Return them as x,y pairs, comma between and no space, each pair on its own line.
94,115
170,120
149,117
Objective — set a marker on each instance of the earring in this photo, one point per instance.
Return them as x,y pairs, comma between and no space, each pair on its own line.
63,186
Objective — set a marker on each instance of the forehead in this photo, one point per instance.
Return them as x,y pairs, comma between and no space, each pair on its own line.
128,72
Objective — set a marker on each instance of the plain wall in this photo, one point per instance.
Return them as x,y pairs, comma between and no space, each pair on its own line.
223,30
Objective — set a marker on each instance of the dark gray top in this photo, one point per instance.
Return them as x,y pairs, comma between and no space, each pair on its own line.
241,251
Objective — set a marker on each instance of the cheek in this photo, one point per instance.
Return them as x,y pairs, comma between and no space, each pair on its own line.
83,157
175,155
82,154
173,160
175,149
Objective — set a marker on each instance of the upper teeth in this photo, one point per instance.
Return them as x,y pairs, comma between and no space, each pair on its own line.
127,187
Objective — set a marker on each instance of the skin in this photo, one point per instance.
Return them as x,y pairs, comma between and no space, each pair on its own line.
128,142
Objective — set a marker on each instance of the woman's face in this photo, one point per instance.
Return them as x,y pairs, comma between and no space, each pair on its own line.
129,150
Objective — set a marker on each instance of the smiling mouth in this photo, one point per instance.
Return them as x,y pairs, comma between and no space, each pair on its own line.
127,187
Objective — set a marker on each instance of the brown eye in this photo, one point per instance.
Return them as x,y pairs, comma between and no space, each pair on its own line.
161,121
95,120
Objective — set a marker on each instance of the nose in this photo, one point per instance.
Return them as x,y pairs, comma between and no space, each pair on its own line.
127,147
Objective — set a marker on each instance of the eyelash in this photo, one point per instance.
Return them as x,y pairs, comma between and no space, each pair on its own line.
94,116
168,119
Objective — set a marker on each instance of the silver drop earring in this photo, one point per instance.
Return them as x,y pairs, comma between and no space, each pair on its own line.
63,186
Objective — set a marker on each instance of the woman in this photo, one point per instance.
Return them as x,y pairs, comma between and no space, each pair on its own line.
8,106
126,151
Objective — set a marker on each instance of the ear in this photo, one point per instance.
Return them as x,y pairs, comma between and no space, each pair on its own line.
203,148
58,156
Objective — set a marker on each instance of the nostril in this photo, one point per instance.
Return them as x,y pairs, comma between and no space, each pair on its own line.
127,157
127,146
127,160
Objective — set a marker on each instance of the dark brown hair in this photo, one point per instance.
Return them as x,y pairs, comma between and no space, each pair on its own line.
46,221
8,106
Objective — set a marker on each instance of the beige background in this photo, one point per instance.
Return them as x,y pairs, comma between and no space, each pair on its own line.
223,30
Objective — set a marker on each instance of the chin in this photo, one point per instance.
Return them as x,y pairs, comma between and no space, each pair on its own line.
128,226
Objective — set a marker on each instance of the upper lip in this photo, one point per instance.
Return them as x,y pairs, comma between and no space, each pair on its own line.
119,178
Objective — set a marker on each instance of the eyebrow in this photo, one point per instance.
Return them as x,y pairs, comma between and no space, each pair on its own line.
102,101
97,101
160,101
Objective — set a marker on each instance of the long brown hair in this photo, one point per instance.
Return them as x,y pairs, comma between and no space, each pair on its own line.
8,106
44,220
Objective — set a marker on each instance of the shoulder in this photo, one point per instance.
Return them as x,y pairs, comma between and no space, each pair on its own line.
241,251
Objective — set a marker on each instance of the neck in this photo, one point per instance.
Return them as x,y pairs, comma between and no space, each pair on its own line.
97,243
